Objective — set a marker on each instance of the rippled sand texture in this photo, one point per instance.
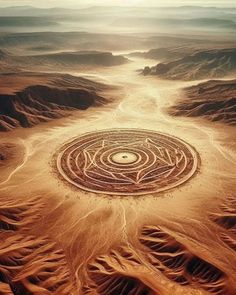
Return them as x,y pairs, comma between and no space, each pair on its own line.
59,239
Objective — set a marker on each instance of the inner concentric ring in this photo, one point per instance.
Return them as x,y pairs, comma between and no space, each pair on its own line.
126,162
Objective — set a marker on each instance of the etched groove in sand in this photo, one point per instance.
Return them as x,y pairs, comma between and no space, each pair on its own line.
179,264
127,161
14,215
31,265
114,274
5,289
226,219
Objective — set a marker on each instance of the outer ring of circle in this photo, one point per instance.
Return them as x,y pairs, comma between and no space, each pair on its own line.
67,145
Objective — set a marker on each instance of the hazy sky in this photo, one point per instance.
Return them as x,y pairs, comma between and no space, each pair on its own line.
77,3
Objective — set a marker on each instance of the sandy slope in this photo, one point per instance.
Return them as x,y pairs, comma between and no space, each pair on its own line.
203,64
178,242
214,100
60,60
26,99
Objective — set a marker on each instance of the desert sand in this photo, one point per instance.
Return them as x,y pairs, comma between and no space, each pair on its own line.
58,239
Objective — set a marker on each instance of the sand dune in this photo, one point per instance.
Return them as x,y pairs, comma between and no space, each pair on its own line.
7,152
28,99
200,65
226,219
179,264
213,100
29,264
114,273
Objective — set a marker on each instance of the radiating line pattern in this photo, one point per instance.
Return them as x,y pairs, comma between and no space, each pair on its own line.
126,162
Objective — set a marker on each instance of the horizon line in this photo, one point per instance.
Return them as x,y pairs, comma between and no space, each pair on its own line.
118,6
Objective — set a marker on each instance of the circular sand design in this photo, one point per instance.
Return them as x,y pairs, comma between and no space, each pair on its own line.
126,162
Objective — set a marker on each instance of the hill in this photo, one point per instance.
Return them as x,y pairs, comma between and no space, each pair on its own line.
214,100
60,60
26,99
197,66
164,53
65,59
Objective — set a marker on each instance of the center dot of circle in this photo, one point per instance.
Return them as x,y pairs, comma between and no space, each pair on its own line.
124,158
